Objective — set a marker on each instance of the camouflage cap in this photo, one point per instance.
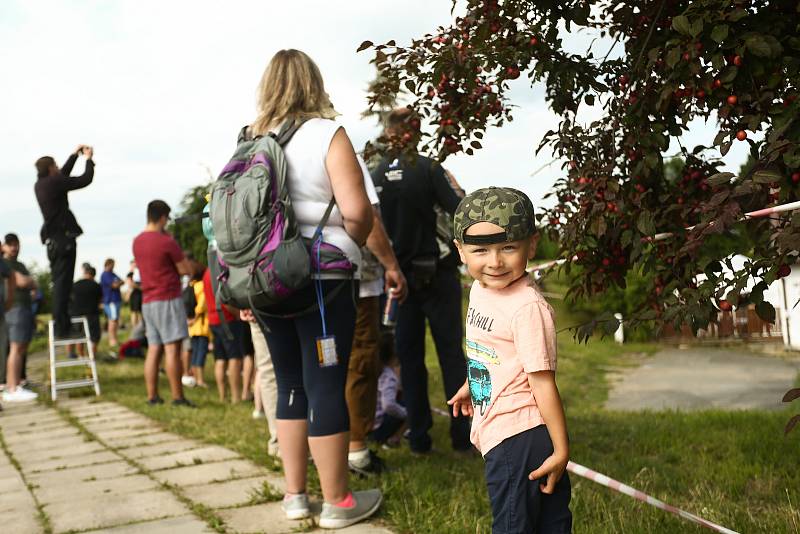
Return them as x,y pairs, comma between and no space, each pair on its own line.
506,207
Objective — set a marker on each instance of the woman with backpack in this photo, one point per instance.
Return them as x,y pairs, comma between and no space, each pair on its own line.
310,333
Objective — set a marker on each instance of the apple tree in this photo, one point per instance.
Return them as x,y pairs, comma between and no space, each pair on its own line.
664,65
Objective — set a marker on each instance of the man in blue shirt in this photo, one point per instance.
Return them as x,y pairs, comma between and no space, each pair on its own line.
112,299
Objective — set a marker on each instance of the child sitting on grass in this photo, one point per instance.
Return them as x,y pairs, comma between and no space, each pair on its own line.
390,415
518,419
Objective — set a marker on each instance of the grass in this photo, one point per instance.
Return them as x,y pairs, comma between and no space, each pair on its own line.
734,468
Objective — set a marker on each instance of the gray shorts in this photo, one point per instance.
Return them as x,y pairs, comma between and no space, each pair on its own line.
165,321
20,324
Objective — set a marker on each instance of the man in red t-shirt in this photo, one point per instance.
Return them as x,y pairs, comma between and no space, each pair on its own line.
228,341
161,263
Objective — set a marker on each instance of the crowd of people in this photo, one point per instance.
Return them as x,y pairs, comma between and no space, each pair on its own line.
328,373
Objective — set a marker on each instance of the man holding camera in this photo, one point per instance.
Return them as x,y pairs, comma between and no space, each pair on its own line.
410,193
60,228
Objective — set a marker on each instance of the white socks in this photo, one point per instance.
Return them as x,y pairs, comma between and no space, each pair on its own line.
359,458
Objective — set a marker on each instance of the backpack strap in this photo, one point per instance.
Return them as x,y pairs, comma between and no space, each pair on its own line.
324,219
287,131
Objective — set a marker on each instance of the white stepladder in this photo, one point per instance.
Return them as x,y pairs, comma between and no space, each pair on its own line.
80,361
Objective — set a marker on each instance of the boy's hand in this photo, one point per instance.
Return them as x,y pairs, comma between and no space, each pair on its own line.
553,468
462,402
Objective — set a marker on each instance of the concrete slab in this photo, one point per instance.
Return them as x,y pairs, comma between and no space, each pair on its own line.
149,439
55,427
24,519
118,424
27,457
24,421
11,484
7,470
80,460
203,455
700,378
87,491
359,528
108,511
159,449
46,447
231,493
261,518
111,436
175,525
78,475
203,474
17,439
15,500
28,426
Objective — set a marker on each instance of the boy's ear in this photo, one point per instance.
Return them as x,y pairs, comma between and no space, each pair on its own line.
534,240
460,251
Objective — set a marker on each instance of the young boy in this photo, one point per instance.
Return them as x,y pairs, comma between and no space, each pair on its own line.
518,420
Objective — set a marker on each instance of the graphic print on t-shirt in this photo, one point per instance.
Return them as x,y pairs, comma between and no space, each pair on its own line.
480,380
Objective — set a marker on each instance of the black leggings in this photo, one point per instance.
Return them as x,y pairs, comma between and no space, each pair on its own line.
305,389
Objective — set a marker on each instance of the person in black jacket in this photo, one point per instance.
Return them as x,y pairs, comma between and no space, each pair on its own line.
60,227
410,193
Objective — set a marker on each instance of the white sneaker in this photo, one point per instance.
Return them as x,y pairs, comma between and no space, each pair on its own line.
19,395
258,414
296,506
188,381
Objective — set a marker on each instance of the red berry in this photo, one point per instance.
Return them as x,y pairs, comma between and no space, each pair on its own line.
610,206
717,84
783,270
620,260
795,177
724,305
606,262
415,124
534,41
732,100
623,80
737,60
686,56
554,221
741,135
512,72
407,137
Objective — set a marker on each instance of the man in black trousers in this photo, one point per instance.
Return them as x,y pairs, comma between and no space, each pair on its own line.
410,194
60,227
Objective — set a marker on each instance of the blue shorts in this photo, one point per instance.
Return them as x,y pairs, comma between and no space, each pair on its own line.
112,311
199,346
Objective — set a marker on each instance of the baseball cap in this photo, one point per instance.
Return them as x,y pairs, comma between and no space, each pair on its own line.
506,207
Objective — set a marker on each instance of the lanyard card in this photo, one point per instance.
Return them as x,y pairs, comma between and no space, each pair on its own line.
326,351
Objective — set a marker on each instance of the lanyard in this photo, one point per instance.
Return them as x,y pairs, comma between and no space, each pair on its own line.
318,286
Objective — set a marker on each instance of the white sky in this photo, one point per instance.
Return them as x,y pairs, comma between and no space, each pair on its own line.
159,88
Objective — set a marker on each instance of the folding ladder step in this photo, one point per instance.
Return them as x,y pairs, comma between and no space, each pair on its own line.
73,363
67,384
70,341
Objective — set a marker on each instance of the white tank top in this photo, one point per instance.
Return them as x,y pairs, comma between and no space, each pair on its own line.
310,186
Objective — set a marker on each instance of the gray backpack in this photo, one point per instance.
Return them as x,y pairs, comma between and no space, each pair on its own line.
262,257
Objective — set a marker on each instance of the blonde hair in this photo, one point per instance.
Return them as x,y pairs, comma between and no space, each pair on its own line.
291,87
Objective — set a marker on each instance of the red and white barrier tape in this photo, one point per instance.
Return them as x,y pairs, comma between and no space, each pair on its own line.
791,206
615,485
618,486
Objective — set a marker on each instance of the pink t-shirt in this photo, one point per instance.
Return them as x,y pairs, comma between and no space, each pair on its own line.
510,332
156,255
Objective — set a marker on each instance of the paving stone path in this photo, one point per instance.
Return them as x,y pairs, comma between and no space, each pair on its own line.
95,466
700,378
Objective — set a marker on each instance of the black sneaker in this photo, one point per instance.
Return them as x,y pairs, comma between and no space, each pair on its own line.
155,401
184,402
375,466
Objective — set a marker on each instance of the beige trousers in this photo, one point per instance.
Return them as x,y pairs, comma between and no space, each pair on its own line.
269,387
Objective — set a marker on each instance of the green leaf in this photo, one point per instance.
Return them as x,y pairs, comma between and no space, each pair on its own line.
729,74
725,147
696,27
673,56
720,178
766,176
475,144
410,85
364,46
758,46
682,25
645,224
589,99
791,395
765,311
720,32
